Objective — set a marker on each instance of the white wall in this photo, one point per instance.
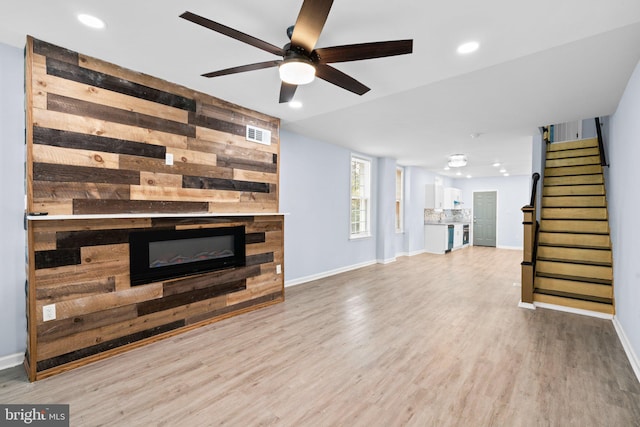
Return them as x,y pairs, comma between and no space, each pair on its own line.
13,325
314,191
513,194
623,200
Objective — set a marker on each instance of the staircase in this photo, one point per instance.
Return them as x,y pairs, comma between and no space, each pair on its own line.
573,263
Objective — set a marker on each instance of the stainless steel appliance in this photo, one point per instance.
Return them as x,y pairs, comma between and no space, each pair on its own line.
465,234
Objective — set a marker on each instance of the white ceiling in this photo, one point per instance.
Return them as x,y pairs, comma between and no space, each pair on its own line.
540,62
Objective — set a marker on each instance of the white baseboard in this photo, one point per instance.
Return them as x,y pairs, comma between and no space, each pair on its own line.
631,355
526,305
312,277
574,310
418,252
386,261
11,360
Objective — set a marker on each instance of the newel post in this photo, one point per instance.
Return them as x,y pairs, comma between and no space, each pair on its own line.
527,266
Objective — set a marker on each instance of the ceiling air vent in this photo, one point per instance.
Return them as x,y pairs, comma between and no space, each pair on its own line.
261,136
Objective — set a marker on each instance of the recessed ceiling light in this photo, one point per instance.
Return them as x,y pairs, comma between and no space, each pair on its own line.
295,104
447,168
91,21
503,170
468,176
468,47
506,174
496,164
458,173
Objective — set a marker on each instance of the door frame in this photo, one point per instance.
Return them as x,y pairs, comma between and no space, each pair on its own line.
471,229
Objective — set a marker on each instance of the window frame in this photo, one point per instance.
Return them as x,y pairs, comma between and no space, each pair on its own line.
366,197
399,200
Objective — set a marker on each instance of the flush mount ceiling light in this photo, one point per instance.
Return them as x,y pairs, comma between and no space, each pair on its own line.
457,161
496,165
447,168
503,170
506,174
91,21
458,173
468,47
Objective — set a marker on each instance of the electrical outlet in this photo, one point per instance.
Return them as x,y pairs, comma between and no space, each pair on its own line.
168,159
279,269
48,312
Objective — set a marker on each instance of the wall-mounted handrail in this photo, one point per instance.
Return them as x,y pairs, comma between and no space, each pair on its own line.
534,188
530,242
603,160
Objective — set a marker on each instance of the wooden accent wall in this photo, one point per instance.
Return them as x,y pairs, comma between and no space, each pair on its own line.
97,137
100,135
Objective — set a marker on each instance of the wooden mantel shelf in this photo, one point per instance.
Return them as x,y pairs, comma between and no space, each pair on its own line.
151,215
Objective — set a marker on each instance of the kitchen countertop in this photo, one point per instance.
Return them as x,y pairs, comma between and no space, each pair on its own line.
446,223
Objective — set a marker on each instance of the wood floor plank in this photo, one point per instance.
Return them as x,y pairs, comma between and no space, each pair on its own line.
429,340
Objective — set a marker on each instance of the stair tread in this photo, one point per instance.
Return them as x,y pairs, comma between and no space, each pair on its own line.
576,261
568,246
573,296
575,278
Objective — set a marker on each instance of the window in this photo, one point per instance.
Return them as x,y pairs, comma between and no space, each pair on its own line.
399,200
360,197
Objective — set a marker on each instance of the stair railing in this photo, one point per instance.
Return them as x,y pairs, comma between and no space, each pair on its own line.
603,160
530,244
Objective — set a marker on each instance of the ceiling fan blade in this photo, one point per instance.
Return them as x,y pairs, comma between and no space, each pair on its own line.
313,14
338,78
286,92
357,52
234,34
243,68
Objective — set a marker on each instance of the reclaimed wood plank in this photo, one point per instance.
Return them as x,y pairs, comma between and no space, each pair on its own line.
261,258
90,224
216,124
252,176
86,207
77,107
90,93
56,258
60,328
51,207
193,157
68,290
233,152
79,273
160,179
159,166
79,190
91,126
245,164
80,74
143,192
102,253
184,298
37,94
204,135
70,173
55,52
209,279
83,141
234,115
248,207
201,182
46,154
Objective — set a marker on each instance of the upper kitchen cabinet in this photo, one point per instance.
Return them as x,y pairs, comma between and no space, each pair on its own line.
452,198
434,195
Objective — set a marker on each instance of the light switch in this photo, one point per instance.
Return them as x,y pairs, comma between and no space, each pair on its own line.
48,312
279,269
168,159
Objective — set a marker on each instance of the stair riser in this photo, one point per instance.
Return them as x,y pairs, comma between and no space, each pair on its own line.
580,152
574,213
573,190
568,302
578,270
574,180
573,161
592,240
573,254
569,226
570,286
572,170
574,201
570,145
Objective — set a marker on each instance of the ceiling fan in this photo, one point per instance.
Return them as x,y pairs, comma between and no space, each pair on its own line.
301,62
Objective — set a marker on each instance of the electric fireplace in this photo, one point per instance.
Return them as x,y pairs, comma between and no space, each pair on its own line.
165,254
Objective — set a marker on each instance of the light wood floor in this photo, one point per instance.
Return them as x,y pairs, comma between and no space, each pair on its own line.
430,340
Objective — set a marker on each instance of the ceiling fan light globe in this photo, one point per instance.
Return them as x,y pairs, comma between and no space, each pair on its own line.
297,72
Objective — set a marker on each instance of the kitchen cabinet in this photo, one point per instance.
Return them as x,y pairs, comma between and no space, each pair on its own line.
434,195
436,238
452,198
